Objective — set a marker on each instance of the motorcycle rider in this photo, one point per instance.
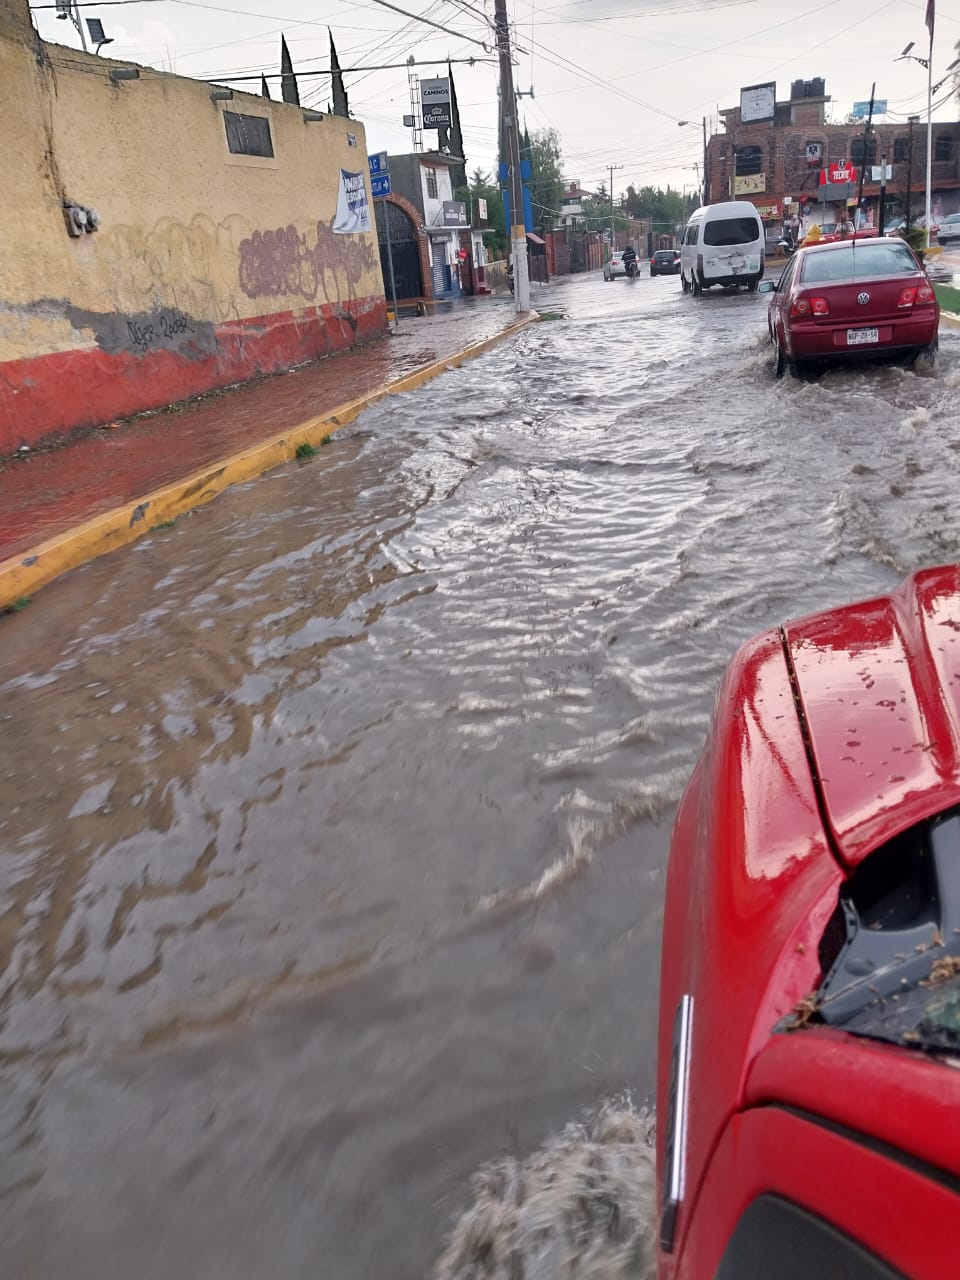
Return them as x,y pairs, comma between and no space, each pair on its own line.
629,259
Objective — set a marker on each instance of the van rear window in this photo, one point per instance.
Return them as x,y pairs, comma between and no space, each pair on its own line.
721,231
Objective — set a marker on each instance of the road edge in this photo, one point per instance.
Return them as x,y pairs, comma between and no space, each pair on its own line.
24,574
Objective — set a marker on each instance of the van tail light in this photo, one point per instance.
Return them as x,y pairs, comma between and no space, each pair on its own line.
700,265
907,297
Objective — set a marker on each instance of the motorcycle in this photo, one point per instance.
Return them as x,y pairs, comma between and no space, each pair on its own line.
632,269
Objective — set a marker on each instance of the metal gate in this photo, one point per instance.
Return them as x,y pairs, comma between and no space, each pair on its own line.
405,246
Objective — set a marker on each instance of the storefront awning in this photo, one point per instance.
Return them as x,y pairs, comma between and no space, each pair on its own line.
534,239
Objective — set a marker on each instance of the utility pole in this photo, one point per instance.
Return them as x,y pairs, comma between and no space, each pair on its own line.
706,180
613,234
883,191
912,121
510,132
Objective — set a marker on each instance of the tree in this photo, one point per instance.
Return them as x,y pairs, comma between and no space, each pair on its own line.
482,187
546,175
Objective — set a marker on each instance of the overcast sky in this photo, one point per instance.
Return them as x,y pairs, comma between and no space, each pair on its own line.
613,76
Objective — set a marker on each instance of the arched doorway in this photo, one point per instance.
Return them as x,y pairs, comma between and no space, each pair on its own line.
405,247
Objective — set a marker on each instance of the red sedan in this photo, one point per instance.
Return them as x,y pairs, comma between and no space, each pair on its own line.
852,299
809,1030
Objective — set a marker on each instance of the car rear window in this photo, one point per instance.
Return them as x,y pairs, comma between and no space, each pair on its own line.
863,261
721,231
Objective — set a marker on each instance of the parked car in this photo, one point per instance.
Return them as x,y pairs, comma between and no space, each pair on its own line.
852,299
615,266
665,262
949,228
808,1099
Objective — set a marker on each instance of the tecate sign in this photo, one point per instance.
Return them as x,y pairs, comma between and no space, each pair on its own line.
842,171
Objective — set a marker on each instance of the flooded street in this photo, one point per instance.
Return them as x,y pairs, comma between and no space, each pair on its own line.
333,819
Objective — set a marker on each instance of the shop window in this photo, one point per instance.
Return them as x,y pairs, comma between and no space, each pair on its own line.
432,184
943,148
747,160
248,135
899,150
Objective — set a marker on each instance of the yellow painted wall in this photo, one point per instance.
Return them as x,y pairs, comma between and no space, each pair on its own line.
187,229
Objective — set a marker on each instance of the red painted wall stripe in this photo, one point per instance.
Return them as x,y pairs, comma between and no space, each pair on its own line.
46,396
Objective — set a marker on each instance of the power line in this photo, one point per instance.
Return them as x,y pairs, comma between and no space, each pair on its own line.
439,25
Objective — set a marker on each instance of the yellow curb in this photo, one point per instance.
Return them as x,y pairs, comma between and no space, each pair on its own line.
23,574
950,320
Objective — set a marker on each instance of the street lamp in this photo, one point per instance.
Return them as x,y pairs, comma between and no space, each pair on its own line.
927,64
693,124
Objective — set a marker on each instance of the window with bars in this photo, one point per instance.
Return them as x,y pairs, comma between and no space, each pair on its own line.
432,191
899,150
248,135
862,152
747,160
943,148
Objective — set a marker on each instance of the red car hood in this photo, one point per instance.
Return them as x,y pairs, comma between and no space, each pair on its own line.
879,688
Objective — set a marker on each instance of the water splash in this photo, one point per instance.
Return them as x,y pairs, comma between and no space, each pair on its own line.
583,1206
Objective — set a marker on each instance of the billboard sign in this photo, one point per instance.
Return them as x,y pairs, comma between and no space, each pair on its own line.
758,102
482,208
774,210
433,92
837,173
454,213
749,184
436,116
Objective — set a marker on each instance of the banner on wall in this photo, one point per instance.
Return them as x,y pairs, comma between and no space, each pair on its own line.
353,208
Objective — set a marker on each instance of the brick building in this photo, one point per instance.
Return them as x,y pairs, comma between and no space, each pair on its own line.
776,163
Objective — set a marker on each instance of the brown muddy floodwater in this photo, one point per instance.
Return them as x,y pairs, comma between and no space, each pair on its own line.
333,819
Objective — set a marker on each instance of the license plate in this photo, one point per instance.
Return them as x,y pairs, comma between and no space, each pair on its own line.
856,336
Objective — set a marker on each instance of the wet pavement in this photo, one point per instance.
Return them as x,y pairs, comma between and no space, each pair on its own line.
333,819
47,491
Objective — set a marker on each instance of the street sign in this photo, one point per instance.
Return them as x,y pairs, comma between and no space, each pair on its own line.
379,184
378,162
862,109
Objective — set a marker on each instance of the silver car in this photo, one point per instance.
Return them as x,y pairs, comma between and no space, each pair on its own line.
615,266
949,228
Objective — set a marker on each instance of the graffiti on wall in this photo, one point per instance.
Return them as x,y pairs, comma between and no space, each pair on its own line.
162,329
282,263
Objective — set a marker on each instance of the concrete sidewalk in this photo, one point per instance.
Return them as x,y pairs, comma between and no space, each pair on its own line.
62,506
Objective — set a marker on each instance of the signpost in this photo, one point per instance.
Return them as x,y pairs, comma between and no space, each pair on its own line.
379,189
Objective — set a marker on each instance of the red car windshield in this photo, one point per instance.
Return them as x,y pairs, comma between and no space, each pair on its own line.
859,261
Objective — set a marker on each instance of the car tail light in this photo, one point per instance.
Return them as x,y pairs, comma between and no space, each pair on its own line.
925,293
799,307
820,306
907,297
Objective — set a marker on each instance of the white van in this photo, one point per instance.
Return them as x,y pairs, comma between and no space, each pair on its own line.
723,244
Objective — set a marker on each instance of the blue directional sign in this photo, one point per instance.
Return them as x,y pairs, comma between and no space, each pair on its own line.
862,109
378,162
380,184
